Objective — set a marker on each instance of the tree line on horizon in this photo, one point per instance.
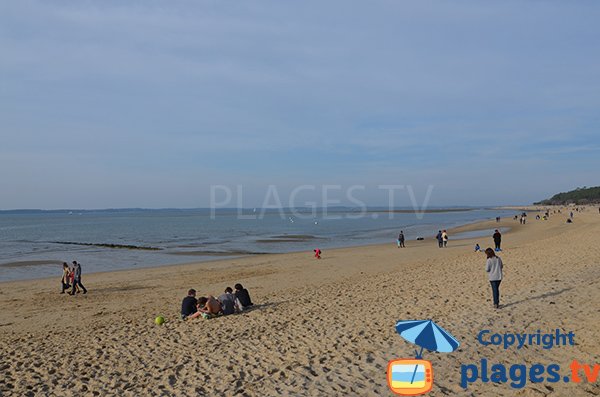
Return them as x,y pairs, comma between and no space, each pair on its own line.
580,196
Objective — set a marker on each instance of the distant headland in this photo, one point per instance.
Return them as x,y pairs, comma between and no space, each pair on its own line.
579,196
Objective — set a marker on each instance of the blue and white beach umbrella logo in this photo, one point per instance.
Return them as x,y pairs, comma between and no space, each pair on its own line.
412,377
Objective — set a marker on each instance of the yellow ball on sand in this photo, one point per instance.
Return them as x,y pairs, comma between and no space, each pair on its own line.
160,320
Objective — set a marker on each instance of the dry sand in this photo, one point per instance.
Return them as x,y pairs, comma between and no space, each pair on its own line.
321,327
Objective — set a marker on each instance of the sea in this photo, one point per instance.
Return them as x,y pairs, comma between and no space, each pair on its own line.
33,244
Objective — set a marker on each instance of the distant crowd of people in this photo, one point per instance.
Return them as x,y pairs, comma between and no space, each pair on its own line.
522,218
229,302
71,278
494,266
442,238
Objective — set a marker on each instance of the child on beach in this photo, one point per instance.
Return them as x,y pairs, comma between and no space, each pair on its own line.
477,248
317,253
188,305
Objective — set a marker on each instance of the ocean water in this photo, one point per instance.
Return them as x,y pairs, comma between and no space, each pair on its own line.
32,245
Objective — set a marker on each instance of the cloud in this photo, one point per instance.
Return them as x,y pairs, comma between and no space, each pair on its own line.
315,90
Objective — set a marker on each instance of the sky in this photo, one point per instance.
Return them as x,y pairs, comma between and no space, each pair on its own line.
112,104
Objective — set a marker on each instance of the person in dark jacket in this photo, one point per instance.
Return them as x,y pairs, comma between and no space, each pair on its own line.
401,240
497,240
188,305
77,278
243,296
440,239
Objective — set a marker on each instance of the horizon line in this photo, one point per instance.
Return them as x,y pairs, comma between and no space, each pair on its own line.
379,207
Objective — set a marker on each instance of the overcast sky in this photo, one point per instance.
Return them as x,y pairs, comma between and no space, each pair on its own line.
148,103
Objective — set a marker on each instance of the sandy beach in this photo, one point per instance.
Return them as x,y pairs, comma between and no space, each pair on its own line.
320,327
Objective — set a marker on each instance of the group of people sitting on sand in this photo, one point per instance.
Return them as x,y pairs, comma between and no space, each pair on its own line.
71,278
229,302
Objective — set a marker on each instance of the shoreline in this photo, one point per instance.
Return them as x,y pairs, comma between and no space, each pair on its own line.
479,225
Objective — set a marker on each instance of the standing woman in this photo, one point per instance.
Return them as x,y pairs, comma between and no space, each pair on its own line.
493,267
445,238
65,277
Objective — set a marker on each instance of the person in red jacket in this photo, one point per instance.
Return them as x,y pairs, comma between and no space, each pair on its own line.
317,253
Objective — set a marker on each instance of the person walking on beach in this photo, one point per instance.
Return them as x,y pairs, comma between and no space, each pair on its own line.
77,278
497,240
65,277
440,239
445,238
72,279
401,239
494,267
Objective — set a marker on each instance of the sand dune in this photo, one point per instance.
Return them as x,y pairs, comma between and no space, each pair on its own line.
321,328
